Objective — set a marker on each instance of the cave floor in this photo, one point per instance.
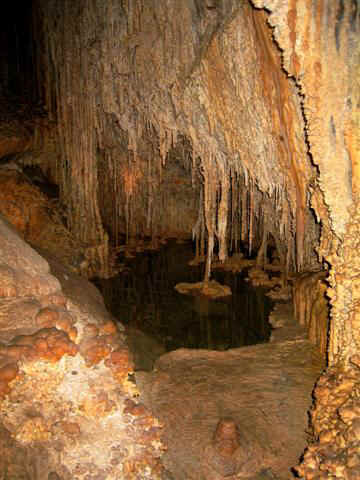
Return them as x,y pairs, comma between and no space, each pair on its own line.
266,389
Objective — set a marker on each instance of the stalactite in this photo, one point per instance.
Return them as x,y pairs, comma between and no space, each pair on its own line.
261,255
223,210
234,232
210,190
137,65
244,211
251,217
198,229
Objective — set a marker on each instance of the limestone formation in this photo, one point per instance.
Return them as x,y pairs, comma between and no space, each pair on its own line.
311,307
232,122
243,172
333,452
67,407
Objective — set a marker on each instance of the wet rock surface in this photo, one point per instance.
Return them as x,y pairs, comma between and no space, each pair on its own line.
264,389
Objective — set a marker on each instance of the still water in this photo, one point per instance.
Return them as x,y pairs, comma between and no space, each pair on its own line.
143,297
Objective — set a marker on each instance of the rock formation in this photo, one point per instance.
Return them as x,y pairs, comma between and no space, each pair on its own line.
67,405
232,122
225,457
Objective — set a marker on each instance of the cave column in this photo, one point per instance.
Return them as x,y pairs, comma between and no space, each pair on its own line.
320,47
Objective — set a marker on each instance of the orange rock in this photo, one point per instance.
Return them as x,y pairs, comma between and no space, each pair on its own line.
48,343
16,352
120,357
120,363
108,328
65,322
94,355
111,340
4,389
73,333
56,299
98,406
91,330
135,409
8,372
23,340
47,317
72,428
41,345
8,291
150,435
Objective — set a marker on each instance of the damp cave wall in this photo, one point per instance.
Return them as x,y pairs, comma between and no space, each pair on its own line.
262,132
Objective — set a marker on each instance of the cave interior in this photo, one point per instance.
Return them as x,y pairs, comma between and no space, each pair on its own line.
230,124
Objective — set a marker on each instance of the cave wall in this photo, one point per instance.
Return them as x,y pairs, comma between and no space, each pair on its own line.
320,48
126,80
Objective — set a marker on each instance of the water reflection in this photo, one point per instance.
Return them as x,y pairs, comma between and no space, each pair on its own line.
143,297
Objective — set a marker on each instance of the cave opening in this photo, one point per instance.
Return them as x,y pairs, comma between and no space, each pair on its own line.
145,133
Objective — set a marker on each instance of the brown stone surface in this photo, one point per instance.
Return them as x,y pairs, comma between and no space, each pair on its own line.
284,325
17,316
24,127
20,256
320,47
265,389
